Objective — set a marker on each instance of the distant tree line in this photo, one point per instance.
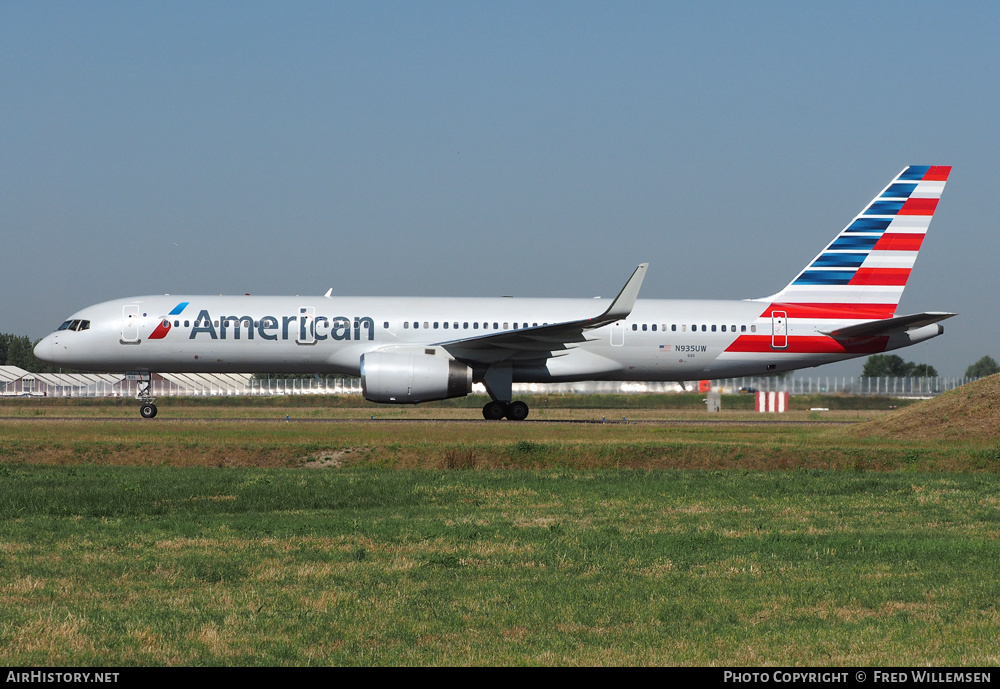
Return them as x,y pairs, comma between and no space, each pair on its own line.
19,350
982,368
881,365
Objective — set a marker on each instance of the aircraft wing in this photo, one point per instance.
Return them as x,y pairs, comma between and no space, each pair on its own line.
888,326
544,341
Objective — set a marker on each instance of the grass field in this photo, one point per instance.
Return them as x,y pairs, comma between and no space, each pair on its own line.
359,543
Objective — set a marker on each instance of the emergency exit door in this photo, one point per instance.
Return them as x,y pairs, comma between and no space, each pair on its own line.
779,330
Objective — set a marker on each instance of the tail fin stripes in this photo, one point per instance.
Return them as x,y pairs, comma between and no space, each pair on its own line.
867,265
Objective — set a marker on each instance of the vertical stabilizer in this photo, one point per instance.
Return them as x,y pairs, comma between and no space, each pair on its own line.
865,268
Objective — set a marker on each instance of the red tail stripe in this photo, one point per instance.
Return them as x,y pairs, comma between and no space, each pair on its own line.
898,241
938,173
918,207
821,310
881,276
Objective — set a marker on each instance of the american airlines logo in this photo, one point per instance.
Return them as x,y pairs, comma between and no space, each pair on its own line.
304,327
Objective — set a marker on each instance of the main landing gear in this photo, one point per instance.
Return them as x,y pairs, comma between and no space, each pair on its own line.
498,380
496,410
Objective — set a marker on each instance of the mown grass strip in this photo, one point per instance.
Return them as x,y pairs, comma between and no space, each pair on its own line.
452,445
110,565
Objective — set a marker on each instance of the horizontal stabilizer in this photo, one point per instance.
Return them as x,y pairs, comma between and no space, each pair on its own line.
888,326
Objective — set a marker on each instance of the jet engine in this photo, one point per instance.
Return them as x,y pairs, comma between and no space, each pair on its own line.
411,378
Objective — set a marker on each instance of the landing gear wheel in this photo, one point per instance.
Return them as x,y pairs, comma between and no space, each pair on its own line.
147,411
517,411
494,411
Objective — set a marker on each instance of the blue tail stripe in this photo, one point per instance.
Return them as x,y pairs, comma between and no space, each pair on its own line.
899,191
825,277
884,208
869,225
854,242
836,260
914,173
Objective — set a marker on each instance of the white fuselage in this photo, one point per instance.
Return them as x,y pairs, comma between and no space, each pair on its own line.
660,340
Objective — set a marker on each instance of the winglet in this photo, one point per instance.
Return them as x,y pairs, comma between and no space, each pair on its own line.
621,307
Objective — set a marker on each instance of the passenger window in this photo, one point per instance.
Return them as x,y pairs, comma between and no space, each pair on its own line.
446,325
713,328
435,325
723,328
385,326
733,328
177,324
743,328
406,325
753,328
643,327
634,327
426,325
704,328
465,326
475,325
496,326
505,325
654,327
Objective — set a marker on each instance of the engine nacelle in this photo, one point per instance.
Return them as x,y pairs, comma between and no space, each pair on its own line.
412,378
914,335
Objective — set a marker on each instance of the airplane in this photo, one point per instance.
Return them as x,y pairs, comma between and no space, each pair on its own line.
407,350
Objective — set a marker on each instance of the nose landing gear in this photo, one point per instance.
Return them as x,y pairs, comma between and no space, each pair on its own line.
147,409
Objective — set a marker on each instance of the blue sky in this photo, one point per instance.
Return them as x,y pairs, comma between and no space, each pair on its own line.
530,149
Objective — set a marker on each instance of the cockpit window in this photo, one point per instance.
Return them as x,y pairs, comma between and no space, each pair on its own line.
75,325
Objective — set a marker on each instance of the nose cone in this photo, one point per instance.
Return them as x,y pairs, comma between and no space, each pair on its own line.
45,350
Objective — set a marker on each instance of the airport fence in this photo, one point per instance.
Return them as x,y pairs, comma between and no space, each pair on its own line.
886,386
245,385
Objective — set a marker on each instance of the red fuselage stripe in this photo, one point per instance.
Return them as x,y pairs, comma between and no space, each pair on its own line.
809,344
